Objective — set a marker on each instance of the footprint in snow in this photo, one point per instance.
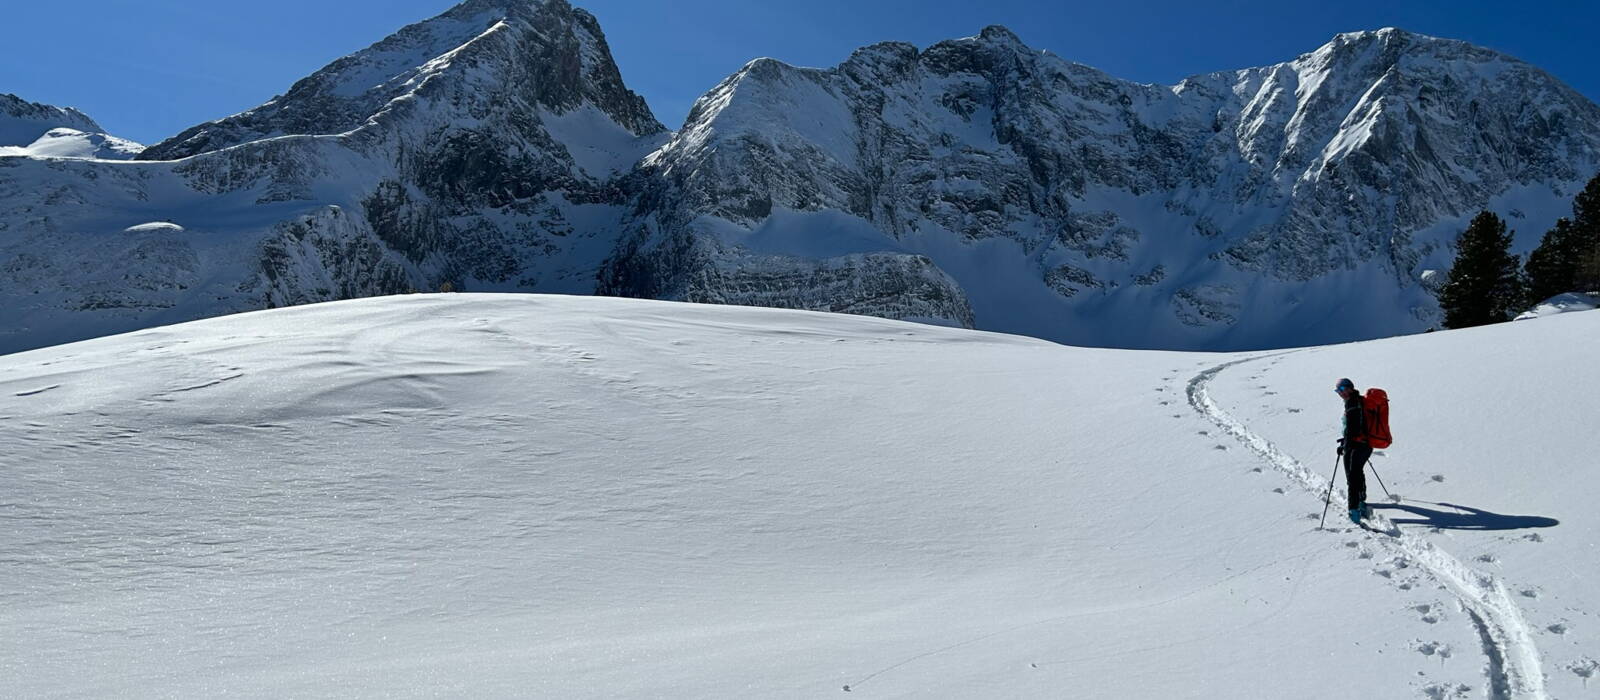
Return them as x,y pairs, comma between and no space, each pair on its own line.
1278,490
1220,447
1529,593
1584,668
1431,613
1486,558
1533,537
1439,478
1294,410
1438,650
1557,628
1446,691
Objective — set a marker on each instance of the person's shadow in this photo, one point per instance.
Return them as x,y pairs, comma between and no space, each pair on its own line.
1463,517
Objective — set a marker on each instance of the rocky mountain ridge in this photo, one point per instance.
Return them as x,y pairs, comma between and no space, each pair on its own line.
976,182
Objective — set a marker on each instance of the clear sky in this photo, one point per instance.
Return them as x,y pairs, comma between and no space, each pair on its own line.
146,69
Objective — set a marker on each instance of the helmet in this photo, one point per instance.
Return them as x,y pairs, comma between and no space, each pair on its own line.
1345,385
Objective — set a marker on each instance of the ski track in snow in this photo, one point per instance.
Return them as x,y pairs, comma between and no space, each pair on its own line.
1513,665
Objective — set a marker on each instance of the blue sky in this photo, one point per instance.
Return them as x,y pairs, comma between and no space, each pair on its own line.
146,69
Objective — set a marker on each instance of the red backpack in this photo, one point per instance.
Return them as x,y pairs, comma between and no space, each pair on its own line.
1376,406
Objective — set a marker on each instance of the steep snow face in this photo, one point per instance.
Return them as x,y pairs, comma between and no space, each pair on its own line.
484,149
1238,209
515,495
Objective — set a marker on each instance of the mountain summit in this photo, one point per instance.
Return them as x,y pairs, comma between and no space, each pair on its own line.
480,149
975,182
490,55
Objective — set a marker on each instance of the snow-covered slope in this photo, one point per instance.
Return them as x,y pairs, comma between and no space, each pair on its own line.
1232,210
23,122
1562,303
32,129
62,142
515,496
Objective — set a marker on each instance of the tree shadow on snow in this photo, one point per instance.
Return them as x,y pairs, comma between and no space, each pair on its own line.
1463,517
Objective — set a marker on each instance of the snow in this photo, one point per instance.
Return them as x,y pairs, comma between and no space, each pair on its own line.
23,122
71,143
818,234
154,227
598,145
1562,303
513,495
409,54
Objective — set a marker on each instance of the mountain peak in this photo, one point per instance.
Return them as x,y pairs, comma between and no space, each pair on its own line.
546,52
1392,42
22,122
998,34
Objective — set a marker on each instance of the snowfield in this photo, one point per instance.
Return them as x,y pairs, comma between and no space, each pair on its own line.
541,496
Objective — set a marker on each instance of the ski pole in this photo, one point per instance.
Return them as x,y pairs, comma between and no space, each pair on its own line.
1327,501
1380,481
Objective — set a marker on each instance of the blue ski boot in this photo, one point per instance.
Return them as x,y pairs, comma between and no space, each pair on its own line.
1355,516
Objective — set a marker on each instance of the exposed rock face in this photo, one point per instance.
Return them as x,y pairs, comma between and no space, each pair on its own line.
1237,209
975,182
484,149
480,60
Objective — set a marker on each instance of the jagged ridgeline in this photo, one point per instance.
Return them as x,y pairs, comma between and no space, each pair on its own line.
976,182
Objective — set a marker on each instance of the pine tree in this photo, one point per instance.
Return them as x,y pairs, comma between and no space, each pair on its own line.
1586,238
1485,284
1552,268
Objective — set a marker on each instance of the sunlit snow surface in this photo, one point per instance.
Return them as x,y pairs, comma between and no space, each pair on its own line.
482,495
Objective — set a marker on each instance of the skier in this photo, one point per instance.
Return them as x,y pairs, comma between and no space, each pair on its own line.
1354,449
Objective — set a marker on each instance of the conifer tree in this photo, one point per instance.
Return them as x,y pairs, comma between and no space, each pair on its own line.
1586,238
1552,268
1485,284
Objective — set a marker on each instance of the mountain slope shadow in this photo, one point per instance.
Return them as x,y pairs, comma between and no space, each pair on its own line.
1464,517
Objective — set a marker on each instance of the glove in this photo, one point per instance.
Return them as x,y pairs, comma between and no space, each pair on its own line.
1340,450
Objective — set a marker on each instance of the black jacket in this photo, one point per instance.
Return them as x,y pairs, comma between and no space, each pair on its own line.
1355,419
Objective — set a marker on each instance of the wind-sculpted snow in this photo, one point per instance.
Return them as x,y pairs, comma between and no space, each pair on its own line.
512,495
